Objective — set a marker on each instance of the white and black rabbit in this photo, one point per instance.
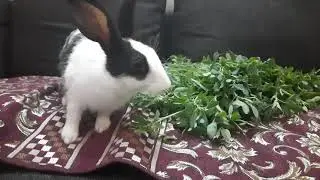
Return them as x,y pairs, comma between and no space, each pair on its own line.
103,68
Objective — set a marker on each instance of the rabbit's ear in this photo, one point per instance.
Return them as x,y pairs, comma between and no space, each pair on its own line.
126,18
92,20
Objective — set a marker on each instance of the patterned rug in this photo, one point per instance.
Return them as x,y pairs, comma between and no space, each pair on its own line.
31,117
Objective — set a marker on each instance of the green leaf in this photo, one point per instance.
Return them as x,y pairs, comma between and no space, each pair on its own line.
230,111
223,115
305,108
304,83
193,119
225,88
276,104
219,108
244,106
180,89
315,99
206,74
212,129
199,84
157,115
228,56
241,58
235,116
241,88
226,134
235,72
204,121
254,111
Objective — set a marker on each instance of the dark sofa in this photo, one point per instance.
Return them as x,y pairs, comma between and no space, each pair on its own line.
32,32
287,30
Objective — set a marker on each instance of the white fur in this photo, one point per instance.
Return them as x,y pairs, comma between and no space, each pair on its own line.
90,86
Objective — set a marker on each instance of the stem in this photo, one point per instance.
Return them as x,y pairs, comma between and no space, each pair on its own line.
169,116
242,131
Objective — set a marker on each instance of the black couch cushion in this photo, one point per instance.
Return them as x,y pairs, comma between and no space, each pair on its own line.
287,30
38,31
4,16
149,17
4,11
3,50
40,28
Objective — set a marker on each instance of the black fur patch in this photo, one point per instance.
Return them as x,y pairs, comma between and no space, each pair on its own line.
71,41
127,61
123,61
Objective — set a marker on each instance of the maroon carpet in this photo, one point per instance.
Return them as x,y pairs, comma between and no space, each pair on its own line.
31,116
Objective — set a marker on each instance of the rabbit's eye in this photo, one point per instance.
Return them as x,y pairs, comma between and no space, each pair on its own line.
140,69
139,66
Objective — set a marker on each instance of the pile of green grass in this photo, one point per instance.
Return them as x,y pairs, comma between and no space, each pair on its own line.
224,93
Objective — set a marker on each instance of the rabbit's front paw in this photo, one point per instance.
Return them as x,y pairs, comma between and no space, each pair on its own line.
102,123
69,135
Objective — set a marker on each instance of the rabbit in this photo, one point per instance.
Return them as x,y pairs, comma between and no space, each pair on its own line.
103,68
